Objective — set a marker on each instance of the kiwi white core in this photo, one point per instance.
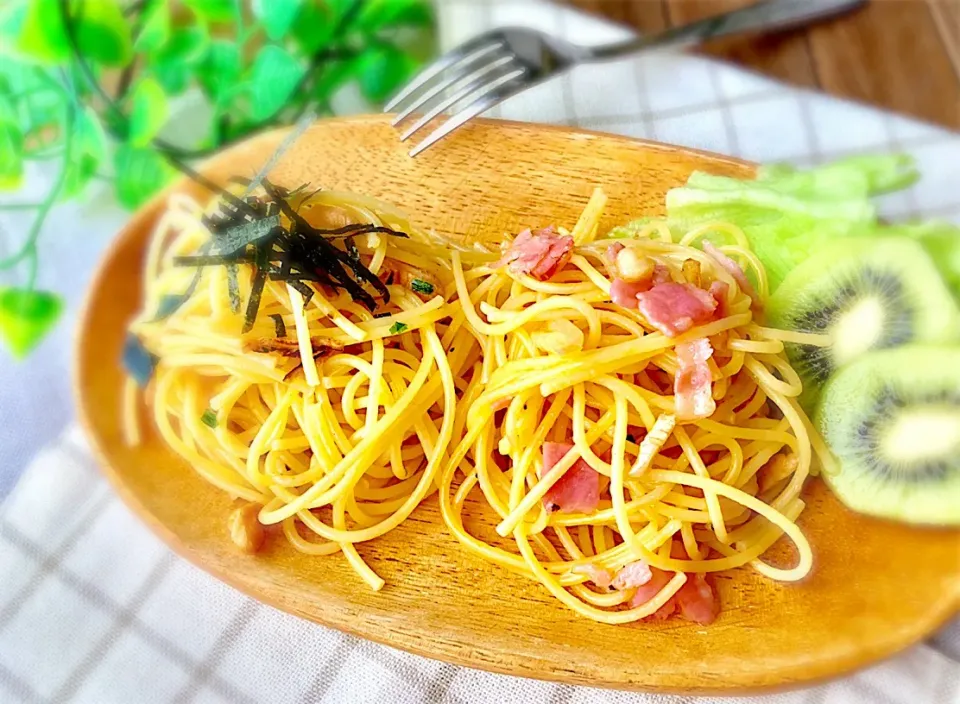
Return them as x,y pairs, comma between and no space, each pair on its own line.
857,329
921,434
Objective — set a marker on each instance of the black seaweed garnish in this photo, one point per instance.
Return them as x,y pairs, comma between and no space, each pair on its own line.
279,325
137,360
248,229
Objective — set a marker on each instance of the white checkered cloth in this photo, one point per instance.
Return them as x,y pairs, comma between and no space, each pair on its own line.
93,608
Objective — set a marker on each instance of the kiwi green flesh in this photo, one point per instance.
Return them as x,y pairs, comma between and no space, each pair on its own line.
892,419
866,294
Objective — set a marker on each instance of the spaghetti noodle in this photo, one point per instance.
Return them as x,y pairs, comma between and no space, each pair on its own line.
465,382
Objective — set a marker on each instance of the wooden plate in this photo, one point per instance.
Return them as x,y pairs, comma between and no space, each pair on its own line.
876,587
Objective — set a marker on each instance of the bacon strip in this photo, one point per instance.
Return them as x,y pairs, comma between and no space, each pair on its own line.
674,308
599,576
634,574
735,271
578,490
692,386
696,600
540,254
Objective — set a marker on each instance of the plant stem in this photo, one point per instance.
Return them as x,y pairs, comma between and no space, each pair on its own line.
20,206
29,248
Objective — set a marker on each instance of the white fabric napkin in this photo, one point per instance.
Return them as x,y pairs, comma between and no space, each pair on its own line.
94,609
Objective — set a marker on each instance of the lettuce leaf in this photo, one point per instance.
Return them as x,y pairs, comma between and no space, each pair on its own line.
787,213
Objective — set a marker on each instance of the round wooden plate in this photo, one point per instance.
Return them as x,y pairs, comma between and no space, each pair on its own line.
876,587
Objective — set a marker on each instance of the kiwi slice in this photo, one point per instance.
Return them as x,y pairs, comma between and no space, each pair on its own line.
866,294
892,419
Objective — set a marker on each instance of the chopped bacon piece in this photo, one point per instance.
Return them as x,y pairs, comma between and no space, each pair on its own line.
661,275
624,293
599,576
718,289
692,386
697,600
578,490
540,254
674,308
633,574
612,251
735,271
646,591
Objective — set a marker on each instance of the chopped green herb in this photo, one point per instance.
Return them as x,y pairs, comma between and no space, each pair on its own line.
397,328
209,418
421,286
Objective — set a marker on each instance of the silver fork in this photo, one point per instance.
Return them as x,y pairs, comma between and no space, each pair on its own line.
500,63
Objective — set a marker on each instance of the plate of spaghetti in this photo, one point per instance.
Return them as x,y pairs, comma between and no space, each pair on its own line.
449,405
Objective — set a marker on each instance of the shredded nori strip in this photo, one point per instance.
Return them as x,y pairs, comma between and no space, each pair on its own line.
256,289
137,360
233,288
236,238
168,305
322,254
247,229
280,326
303,290
234,200
213,259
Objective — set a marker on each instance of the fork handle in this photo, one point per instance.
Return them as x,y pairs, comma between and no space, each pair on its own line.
763,16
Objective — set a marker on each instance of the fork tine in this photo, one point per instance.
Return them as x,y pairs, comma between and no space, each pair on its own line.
465,54
478,106
455,82
467,90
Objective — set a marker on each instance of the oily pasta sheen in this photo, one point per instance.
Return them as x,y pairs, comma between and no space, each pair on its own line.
336,422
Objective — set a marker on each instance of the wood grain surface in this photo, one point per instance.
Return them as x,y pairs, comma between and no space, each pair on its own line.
876,587
903,55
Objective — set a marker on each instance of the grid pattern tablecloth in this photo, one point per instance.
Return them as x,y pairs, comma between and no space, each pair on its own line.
95,609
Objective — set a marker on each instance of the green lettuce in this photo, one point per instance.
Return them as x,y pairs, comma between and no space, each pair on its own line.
788,213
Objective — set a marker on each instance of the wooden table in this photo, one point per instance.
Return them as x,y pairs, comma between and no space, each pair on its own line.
903,55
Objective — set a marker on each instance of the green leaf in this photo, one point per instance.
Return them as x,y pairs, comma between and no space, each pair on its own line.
149,112
103,34
11,155
172,64
156,28
12,16
314,27
276,16
386,14
26,317
382,70
332,75
274,77
215,10
88,149
42,34
43,110
139,174
220,70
